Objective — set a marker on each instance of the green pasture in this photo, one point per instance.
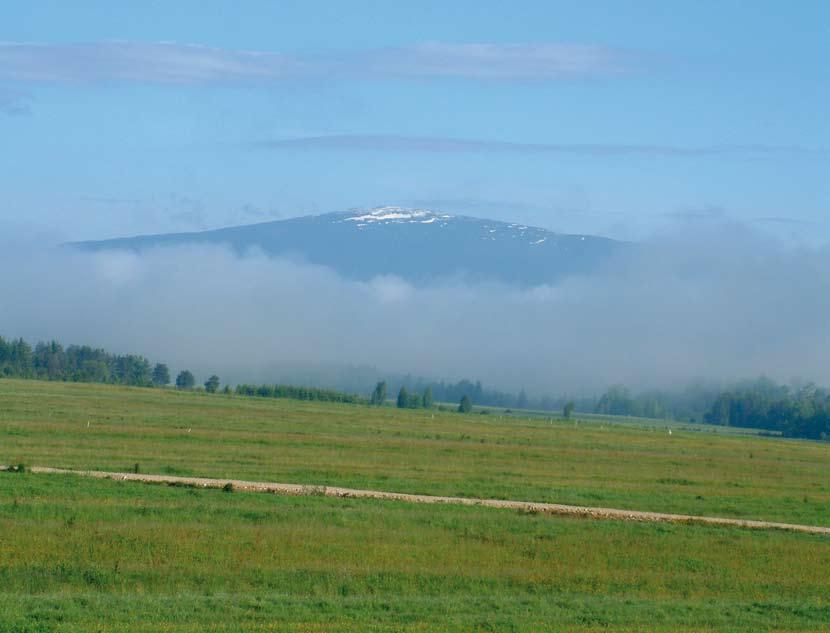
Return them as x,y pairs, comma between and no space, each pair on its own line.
164,431
96,555
83,555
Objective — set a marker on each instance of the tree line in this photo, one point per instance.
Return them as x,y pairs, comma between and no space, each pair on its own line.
299,393
798,411
414,400
82,363
441,391
794,412
76,363
689,403
801,411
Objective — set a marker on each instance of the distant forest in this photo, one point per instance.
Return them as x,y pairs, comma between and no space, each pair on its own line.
792,411
82,363
76,363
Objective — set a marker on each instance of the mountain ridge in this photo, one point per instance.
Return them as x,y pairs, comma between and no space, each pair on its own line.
418,245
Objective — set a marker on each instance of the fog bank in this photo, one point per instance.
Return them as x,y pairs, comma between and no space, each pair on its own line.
722,304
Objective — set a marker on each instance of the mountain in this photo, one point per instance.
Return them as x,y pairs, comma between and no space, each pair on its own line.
415,244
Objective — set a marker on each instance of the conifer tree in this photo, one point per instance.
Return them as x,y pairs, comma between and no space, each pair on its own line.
379,394
427,400
403,398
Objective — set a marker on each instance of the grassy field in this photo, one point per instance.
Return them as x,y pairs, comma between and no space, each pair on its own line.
97,555
89,555
110,428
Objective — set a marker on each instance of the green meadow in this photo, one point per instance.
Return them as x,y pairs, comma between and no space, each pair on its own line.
88,555
78,554
577,462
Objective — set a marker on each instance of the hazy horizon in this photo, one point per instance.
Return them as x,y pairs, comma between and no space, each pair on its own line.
723,304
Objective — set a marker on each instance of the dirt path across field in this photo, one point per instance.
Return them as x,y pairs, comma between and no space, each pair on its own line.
350,493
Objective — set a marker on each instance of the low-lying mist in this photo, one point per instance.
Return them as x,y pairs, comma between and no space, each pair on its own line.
715,305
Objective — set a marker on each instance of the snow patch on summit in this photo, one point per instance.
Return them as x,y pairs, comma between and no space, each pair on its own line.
486,230
396,215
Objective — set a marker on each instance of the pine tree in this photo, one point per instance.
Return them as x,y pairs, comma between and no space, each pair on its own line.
466,405
379,394
427,400
415,401
403,398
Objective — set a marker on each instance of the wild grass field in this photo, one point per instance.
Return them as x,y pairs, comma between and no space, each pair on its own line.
574,462
91,555
97,555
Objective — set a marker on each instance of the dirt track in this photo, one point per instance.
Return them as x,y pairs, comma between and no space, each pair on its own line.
350,493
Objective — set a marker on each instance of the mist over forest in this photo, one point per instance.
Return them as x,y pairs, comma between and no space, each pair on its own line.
715,305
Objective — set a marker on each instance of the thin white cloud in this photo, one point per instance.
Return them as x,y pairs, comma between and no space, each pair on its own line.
137,62
497,61
392,143
174,63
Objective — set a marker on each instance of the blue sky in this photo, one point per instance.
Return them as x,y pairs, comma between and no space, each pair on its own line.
613,118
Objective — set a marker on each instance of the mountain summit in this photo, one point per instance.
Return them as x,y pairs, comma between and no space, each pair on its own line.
418,245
